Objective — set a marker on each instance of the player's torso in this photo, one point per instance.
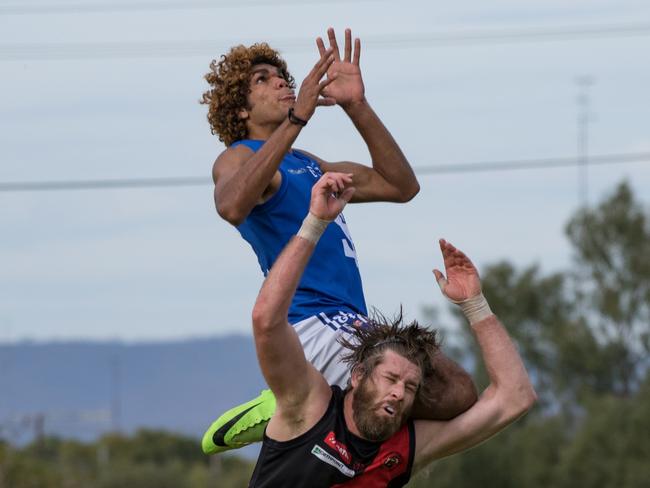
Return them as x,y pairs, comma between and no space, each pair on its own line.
331,281
329,455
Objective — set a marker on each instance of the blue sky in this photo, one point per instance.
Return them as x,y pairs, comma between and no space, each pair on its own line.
155,264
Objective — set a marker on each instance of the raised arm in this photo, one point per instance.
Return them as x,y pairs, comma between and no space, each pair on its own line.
296,384
509,394
391,177
243,178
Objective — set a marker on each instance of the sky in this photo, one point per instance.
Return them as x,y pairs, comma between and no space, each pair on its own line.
113,93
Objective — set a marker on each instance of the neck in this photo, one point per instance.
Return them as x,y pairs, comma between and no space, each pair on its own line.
347,414
262,132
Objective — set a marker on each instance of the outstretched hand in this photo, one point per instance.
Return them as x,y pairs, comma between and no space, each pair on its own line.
312,90
346,85
330,194
462,281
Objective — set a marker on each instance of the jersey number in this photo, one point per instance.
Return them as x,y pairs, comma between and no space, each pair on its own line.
348,247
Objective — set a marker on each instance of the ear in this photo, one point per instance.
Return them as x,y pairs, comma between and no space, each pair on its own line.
356,375
243,114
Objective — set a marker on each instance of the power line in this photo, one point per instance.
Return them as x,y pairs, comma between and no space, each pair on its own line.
547,163
165,49
120,6
104,184
488,166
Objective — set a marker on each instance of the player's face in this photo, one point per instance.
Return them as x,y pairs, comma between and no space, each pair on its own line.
383,400
270,97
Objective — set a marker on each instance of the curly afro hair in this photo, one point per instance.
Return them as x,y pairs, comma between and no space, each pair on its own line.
229,86
412,341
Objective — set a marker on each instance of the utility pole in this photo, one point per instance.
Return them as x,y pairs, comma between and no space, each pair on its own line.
584,82
116,387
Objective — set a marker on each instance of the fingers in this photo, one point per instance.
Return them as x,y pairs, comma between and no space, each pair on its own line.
321,46
335,182
320,72
323,64
312,86
330,195
333,44
323,85
347,194
454,258
444,245
449,252
325,102
347,50
349,54
440,279
327,81
340,181
357,51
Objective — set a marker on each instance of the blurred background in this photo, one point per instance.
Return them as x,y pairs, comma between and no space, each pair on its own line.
125,301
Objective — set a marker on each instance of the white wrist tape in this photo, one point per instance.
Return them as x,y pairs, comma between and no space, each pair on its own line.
312,228
475,308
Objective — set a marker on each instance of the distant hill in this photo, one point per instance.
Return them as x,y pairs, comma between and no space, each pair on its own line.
84,389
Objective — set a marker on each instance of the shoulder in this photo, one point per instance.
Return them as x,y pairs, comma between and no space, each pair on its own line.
360,171
296,413
230,158
327,166
311,156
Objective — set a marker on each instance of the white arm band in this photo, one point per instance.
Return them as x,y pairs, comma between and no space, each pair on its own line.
312,228
475,308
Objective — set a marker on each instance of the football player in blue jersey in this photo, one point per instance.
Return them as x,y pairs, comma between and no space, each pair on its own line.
263,186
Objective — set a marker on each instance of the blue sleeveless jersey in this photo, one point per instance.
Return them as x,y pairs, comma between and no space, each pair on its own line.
331,282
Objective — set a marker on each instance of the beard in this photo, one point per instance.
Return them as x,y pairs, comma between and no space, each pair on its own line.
364,412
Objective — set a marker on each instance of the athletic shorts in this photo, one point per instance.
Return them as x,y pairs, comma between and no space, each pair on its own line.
320,334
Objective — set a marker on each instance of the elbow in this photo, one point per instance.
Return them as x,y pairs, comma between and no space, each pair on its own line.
531,398
230,213
410,192
514,402
261,322
264,320
523,400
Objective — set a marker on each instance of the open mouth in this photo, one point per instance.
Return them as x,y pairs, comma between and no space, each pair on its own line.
389,410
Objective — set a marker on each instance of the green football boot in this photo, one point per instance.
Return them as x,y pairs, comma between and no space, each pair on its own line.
240,426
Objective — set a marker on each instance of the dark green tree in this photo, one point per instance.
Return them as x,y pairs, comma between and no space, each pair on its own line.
584,336
585,331
147,459
612,281
612,445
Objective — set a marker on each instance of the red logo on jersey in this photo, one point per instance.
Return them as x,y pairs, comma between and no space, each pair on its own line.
330,440
391,460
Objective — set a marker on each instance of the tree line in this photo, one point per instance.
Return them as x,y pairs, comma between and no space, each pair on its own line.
584,334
